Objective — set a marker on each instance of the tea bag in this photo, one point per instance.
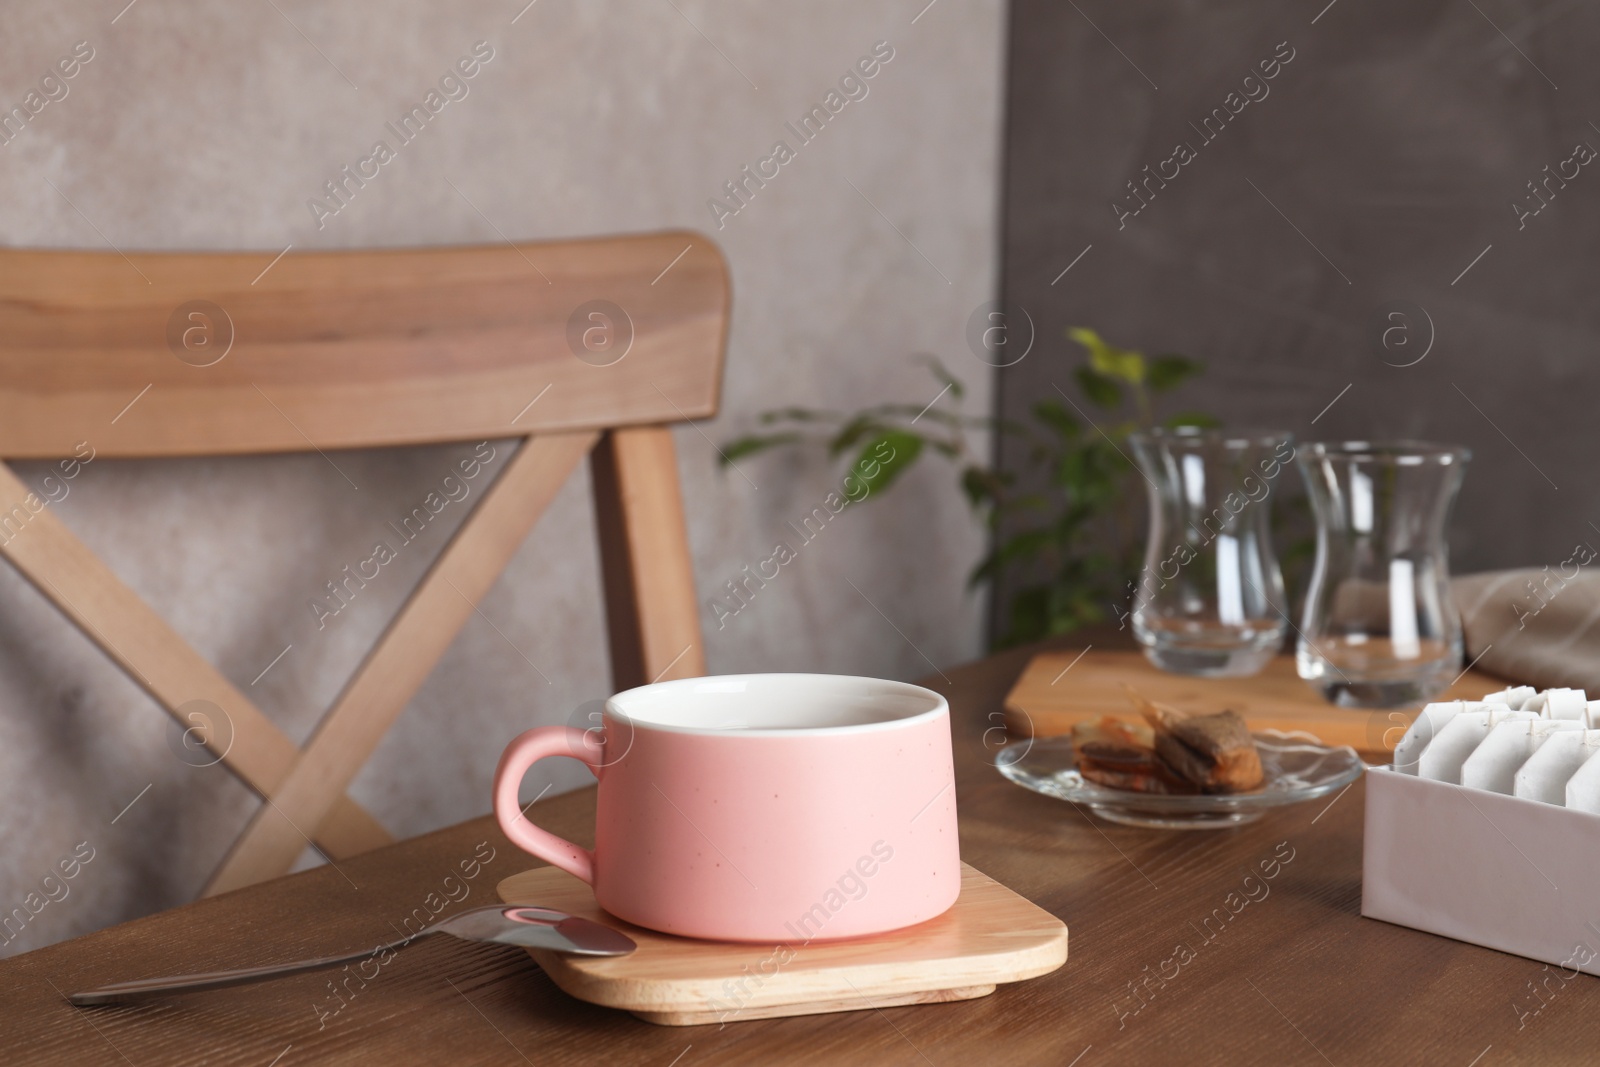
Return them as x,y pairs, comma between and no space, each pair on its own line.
1591,714
1546,774
1493,764
1583,788
1534,703
1564,703
1445,754
1424,729
1513,698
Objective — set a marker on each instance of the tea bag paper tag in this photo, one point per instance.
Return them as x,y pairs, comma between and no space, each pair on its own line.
1424,729
1582,791
1564,703
1493,764
1546,774
1443,758
1513,698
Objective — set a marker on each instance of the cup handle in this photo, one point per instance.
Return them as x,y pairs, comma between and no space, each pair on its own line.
526,750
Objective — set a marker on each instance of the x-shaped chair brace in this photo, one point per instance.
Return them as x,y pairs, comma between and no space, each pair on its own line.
645,557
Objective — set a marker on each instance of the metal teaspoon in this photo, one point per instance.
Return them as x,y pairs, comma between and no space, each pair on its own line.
500,924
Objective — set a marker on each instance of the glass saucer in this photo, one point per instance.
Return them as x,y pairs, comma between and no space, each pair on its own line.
1296,768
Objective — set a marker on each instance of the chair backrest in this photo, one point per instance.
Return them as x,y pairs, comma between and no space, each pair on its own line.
347,349
582,348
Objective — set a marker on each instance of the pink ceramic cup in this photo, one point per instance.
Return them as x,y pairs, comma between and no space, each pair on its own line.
761,807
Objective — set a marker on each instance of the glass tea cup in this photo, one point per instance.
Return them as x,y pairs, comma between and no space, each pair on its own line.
1208,601
1380,628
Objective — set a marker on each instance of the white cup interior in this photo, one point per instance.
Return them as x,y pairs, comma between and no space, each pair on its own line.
777,704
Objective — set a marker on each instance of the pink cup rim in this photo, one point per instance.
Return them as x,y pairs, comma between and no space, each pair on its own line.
626,706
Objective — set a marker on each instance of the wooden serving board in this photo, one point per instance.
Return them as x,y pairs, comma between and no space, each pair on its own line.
989,937
1053,694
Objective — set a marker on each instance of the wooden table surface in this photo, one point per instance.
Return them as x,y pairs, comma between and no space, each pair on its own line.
1295,977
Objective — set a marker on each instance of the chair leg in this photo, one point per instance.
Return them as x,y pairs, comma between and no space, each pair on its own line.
652,618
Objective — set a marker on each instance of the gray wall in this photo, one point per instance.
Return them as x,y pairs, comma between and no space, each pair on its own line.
207,126
1395,142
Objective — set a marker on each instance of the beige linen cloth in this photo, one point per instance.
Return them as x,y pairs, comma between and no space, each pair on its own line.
1540,628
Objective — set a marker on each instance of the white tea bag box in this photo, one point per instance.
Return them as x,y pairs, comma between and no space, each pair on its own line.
1455,855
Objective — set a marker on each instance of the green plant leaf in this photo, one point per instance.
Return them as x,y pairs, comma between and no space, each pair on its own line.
1124,364
799,415
1169,371
1023,546
1102,392
982,485
941,372
1035,502
914,411
852,432
1053,415
1030,613
740,447
885,458
1194,418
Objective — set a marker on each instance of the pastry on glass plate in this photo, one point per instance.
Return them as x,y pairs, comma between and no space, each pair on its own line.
1175,753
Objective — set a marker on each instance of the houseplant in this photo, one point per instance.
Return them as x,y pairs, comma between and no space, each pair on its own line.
1065,515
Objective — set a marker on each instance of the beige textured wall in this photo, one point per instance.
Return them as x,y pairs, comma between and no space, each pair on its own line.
209,126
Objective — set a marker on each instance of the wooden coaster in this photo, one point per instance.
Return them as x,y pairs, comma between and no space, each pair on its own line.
989,937
1054,693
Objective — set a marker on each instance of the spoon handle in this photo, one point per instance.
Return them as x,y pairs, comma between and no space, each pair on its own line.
142,988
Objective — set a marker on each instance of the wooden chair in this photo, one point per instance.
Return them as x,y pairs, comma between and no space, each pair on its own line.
578,348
